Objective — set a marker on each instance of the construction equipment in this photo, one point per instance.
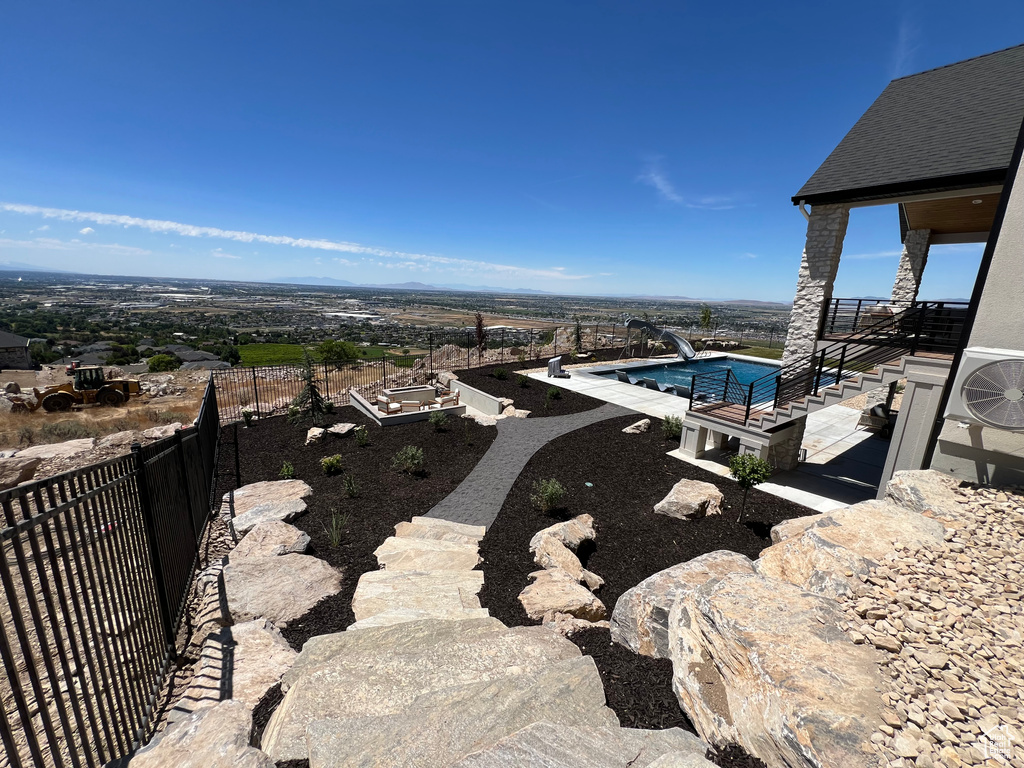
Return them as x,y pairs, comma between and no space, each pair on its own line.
89,387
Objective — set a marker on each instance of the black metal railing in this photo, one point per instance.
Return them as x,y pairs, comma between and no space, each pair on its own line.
96,565
942,322
917,327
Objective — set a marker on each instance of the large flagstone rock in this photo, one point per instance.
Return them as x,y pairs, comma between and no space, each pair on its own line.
405,554
691,500
574,746
640,618
927,491
845,544
340,429
271,537
787,529
64,450
17,470
555,591
444,594
552,553
441,530
215,737
571,533
267,500
382,671
157,433
764,664
277,587
240,662
442,726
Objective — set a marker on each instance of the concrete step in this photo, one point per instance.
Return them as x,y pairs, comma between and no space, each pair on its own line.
439,593
405,554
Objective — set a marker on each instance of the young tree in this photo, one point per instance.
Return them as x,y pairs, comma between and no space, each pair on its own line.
334,352
162,363
309,402
749,470
577,335
707,318
481,334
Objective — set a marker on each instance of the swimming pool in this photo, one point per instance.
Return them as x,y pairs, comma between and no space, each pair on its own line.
681,373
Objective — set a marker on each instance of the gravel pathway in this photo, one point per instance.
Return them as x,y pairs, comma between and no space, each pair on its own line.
951,621
479,497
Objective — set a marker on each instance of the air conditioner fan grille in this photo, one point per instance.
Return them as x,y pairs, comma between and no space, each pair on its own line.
994,394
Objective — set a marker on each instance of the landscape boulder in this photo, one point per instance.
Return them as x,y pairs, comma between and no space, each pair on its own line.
481,418
340,430
555,591
17,470
214,737
763,664
64,450
12,388
641,615
638,428
277,587
842,545
787,529
927,491
120,439
691,500
566,624
315,435
156,433
552,553
271,537
266,500
571,533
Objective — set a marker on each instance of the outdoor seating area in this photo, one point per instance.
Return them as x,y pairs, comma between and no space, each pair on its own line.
402,405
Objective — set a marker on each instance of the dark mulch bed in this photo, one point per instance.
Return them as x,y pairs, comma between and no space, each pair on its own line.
386,497
532,396
628,474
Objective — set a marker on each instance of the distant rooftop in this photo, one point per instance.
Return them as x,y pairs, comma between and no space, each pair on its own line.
948,128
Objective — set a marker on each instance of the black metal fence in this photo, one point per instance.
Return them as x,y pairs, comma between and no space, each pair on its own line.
96,566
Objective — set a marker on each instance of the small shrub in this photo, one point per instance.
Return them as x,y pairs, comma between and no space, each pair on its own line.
362,435
521,359
438,420
409,459
26,435
336,532
500,374
547,495
331,465
749,470
523,381
247,416
554,393
351,487
59,431
672,427
287,471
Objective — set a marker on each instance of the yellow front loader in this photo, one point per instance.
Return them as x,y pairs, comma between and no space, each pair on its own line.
89,387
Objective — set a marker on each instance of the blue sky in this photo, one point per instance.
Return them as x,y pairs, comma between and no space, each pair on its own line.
583,147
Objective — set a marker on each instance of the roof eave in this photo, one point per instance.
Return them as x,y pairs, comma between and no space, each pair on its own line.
904,188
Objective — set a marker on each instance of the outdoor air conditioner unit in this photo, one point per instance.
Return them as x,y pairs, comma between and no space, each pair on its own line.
989,389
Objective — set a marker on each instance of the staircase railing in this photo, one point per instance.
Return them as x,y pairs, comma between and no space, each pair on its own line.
921,326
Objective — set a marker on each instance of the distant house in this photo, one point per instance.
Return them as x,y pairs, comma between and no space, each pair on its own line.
14,352
205,365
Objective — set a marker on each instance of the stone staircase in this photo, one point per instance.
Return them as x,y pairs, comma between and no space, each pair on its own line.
426,573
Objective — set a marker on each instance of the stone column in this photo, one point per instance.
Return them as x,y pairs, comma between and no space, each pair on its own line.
908,274
825,232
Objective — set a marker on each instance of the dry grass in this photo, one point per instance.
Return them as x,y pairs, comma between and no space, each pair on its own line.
20,430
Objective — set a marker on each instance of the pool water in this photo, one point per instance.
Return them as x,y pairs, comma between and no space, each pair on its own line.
683,371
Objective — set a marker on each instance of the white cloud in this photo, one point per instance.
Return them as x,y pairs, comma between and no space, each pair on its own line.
86,231
51,244
748,255
875,255
654,176
218,253
907,44
442,263
42,228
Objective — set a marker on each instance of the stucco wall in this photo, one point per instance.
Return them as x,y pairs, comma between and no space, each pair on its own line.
15,357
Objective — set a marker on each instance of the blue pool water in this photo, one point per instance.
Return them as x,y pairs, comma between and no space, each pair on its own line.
681,372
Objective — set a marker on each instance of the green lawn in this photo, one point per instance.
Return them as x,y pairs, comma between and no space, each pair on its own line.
775,353
291,354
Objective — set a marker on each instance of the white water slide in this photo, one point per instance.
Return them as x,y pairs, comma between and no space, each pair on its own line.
684,350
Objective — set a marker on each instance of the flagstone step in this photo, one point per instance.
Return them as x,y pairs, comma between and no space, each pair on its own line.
405,554
436,528
438,593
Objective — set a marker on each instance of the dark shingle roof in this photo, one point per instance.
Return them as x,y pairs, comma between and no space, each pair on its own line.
8,340
950,127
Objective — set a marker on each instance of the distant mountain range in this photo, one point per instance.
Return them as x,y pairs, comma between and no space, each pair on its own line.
413,286
19,266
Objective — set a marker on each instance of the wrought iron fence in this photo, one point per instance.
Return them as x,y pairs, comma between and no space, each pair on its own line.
96,565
